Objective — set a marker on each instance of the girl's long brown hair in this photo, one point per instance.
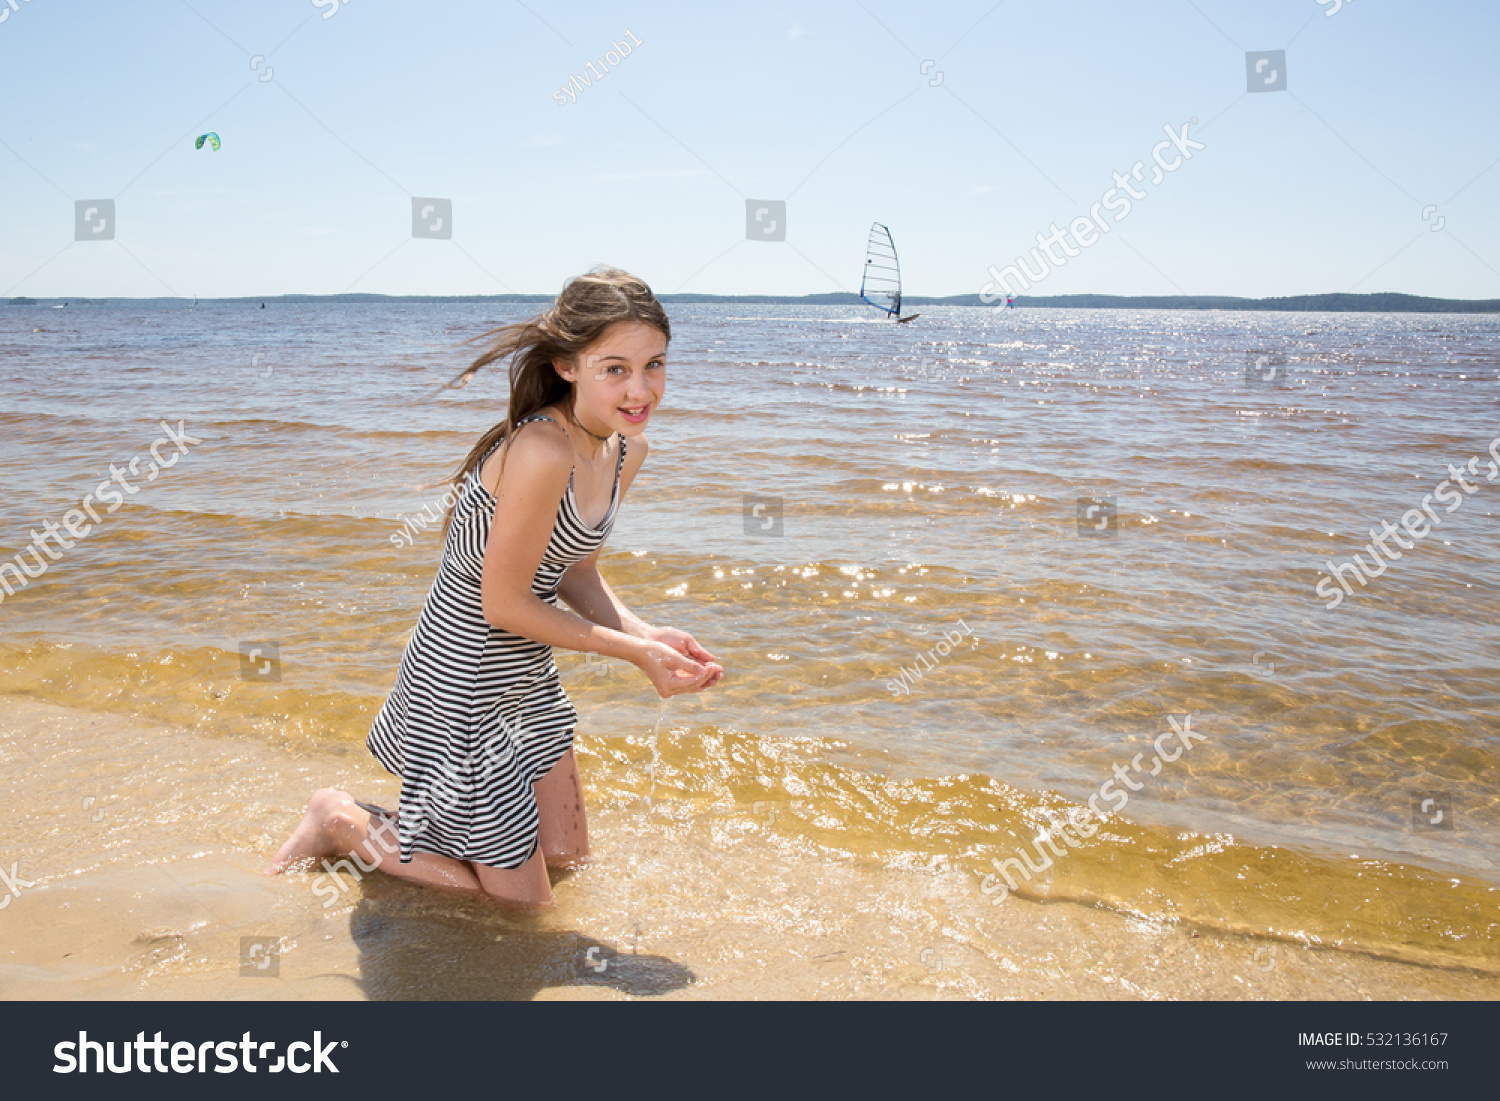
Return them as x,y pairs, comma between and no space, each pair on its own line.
587,306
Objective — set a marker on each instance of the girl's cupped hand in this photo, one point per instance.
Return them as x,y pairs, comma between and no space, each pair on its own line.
674,663
686,645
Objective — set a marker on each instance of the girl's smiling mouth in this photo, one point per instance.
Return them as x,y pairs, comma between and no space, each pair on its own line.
634,414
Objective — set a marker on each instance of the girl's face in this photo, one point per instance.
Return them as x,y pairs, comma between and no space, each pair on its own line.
619,379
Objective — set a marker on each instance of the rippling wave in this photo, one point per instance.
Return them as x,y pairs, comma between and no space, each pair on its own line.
923,476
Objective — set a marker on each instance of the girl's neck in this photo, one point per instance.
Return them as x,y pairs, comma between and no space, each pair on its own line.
593,445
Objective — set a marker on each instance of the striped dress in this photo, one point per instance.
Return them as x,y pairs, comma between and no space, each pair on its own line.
477,713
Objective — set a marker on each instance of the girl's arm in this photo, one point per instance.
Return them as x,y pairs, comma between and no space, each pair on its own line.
587,593
536,478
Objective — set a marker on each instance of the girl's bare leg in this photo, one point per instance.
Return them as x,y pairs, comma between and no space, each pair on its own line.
527,886
565,827
564,840
335,826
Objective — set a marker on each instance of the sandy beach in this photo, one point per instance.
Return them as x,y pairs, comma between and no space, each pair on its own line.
153,900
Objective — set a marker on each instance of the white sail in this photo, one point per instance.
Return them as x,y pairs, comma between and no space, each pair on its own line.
881,285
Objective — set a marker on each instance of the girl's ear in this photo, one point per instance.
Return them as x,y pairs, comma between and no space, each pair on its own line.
564,368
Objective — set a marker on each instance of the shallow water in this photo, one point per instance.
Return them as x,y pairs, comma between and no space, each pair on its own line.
917,480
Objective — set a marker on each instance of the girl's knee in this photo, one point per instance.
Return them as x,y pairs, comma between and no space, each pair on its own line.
527,887
568,857
330,801
530,904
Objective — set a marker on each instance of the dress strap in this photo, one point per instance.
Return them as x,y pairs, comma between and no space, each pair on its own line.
619,458
501,442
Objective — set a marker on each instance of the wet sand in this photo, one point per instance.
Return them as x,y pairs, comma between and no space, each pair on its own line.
144,844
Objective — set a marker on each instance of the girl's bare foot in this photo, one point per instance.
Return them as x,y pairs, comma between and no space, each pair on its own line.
322,831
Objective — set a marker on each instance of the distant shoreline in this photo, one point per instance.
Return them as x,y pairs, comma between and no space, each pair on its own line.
1386,302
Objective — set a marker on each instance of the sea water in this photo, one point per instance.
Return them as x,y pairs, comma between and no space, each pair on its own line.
960,574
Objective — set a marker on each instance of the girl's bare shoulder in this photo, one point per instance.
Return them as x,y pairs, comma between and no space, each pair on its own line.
537,453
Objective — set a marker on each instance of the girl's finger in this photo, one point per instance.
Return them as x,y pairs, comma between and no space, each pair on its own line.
688,667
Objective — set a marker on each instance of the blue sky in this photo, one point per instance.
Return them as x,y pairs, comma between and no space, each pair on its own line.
1023,114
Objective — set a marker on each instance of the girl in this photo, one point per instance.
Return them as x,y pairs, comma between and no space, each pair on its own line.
477,725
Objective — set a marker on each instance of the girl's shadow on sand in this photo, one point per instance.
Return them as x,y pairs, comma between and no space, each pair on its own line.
415,948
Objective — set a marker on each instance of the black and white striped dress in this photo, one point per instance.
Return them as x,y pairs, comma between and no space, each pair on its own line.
477,713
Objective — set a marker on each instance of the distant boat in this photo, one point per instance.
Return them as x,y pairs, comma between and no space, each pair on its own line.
881,284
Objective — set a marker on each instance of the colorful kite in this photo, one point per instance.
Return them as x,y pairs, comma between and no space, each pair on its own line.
211,138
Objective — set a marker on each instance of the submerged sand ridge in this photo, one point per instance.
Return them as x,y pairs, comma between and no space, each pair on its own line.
705,885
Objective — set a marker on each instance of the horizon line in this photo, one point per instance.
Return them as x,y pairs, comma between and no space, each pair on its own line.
1327,302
